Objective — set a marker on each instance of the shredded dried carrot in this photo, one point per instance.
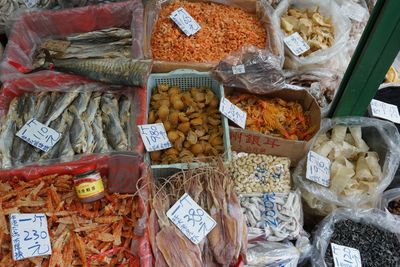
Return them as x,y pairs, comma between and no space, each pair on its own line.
224,29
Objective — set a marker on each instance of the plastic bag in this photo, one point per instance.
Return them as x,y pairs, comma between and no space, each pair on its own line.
266,253
322,84
152,10
20,153
31,28
320,58
389,196
382,137
258,71
323,234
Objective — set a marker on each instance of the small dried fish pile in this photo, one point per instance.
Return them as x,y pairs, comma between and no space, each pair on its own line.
102,55
211,188
192,121
315,29
322,86
80,233
275,117
90,122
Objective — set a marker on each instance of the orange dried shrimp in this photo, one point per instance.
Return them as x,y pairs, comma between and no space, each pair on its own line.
275,117
78,232
223,29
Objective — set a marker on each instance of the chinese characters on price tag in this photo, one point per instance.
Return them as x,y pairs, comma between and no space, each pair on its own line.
185,22
233,113
345,256
31,3
385,111
296,44
238,69
154,136
191,219
318,169
29,235
38,135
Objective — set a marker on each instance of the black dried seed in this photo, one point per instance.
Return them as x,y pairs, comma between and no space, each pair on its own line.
377,248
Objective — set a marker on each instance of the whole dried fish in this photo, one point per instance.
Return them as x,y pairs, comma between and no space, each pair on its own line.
60,105
8,131
77,132
124,111
101,36
101,141
65,147
60,125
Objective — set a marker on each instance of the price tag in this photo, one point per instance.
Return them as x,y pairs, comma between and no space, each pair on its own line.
232,112
296,44
191,219
354,11
271,210
31,3
154,137
345,256
238,69
385,111
38,135
318,169
29,235
184,21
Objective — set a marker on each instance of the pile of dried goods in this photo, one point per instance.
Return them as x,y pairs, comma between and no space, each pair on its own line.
80,233
224,29
192,121
314,28
275,117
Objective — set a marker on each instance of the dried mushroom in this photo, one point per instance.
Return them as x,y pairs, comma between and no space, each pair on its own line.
192,121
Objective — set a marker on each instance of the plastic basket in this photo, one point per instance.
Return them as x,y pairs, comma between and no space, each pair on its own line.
186,79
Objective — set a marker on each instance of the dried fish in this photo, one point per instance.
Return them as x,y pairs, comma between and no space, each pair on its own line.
101,141
8,130
124,111
60,105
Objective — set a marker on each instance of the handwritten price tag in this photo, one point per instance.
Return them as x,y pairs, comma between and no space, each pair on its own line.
31,3
29,235
238,69
191,219
296,44
232,112
184,21
385,111
39,135
318,169
154,137
345,256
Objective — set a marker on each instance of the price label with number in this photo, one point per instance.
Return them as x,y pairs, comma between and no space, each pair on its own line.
39,135
238,69
385,111
154,137
296,44
345,256
232,112
191,219
185,22
29,235
318,169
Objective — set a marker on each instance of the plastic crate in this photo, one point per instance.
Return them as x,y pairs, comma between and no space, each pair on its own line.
186,79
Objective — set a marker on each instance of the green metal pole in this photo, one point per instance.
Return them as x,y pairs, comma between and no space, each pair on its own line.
375,52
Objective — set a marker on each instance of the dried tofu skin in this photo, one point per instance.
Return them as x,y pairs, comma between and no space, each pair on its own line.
315,29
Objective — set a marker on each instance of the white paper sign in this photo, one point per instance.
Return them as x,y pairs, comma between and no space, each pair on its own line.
354,11
38,135
232,112
154,137
385,111
318,169
29,235
191,219
184,21
31,3
238,69
345,256
296,44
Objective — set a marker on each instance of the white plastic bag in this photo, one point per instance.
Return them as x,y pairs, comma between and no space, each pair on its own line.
319,58
323,234
266,253
381,137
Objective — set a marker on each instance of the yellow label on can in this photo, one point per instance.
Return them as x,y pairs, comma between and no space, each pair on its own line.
89,188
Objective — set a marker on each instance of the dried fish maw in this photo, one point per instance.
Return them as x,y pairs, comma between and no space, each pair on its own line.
317,18
177,249
287,23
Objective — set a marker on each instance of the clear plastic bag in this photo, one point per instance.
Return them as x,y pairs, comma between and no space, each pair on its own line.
152,10
266,253
382,137
261,71
320,58
325,229
389,196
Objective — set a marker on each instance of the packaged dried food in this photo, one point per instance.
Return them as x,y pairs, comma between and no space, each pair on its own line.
391,201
